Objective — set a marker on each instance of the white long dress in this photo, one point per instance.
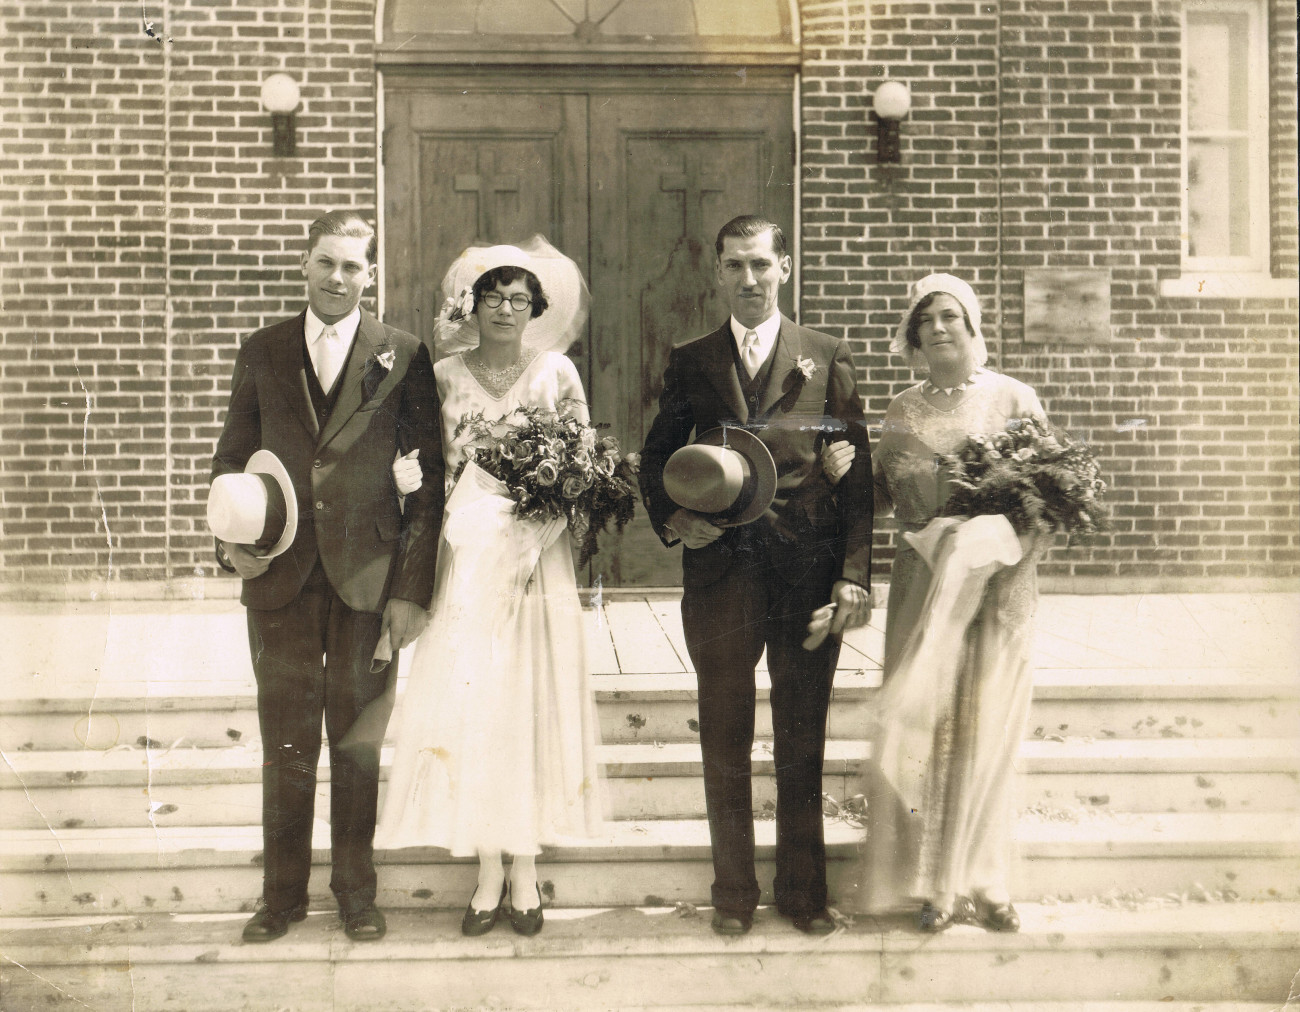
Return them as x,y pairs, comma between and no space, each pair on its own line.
496,731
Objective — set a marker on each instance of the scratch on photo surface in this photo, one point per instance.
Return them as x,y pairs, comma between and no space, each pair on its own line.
67,867
46,980
108,534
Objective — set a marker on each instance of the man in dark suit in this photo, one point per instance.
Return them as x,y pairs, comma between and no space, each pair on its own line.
755,586
335,395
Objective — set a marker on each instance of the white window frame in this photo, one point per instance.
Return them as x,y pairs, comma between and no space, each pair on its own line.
1234,276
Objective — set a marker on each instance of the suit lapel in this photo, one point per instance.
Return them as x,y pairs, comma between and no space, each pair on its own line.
369,340
782,375
290,367
719,365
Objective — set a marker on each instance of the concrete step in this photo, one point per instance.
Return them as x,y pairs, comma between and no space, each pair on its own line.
1111,703
191,786
1078,958
205,869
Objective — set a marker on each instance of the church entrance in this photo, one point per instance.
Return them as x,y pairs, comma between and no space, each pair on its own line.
629,170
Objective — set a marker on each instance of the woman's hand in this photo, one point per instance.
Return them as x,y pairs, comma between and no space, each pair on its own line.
407,475
837,458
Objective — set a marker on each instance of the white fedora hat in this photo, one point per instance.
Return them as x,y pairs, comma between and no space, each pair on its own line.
256,506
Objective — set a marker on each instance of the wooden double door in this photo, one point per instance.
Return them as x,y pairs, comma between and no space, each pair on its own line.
630,175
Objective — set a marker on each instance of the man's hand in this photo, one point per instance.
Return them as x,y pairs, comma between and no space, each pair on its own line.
403,622
247,565
852,605
693,529
837,458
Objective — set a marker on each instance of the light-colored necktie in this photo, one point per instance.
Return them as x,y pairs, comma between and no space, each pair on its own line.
329,357
750,354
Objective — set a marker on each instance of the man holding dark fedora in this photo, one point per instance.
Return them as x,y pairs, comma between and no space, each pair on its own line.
759,561
331,396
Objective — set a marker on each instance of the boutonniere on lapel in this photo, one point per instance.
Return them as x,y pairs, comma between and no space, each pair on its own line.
378,366
805,367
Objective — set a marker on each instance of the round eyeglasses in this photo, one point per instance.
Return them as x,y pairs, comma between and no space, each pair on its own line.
518,302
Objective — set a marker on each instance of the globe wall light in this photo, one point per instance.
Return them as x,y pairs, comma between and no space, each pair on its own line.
891,103
280,98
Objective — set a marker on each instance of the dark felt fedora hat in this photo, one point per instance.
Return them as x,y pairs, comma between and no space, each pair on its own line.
727,474
256,506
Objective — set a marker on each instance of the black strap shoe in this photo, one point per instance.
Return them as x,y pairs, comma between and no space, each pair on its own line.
526,922
1000,917
480,922
932,920
364,925
267,925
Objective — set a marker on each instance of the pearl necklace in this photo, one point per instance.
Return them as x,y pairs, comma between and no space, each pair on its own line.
498,381
932,388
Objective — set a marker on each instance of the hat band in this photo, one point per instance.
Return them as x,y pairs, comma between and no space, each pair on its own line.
277,512
745,495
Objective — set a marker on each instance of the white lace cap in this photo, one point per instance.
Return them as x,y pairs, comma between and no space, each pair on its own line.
562,284
949,284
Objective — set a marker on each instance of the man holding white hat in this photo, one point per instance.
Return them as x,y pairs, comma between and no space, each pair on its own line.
336,570
769,540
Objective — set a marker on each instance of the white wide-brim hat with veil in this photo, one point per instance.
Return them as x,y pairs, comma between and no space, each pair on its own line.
558,327
948,284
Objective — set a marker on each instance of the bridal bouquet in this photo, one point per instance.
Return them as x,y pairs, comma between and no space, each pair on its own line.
1039,480
555,467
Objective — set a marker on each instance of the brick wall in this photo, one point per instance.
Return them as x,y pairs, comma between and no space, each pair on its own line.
150,230
1045,133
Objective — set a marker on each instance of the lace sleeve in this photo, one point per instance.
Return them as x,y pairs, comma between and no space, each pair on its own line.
572,398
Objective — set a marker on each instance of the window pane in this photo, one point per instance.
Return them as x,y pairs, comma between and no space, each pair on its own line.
1218,199
761,19
1217,69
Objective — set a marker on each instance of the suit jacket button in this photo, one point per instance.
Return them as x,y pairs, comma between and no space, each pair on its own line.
315,463
320,505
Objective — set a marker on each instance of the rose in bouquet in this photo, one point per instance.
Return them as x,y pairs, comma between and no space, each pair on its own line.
1040,480
557,466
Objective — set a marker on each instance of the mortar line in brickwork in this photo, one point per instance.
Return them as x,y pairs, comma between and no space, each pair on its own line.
168,309
997,190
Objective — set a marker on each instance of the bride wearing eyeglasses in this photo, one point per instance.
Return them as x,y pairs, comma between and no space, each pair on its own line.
496,734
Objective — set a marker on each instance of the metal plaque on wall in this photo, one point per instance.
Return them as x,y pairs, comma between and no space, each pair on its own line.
1067,306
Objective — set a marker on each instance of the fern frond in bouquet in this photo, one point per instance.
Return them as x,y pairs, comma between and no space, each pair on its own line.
557,466
1040,480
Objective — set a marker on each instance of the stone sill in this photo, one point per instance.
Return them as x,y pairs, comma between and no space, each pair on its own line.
1230,286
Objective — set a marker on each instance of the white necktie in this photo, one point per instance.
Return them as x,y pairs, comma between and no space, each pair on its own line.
329,357
750,354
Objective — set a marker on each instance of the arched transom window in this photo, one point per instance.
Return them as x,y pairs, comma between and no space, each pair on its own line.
495,31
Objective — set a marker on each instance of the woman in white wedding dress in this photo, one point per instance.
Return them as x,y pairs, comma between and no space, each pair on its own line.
496,733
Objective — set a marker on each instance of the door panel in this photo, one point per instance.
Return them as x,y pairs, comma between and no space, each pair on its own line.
635,173
465,168
667,171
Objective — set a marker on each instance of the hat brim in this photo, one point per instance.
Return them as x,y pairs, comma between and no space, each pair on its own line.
562,284
266,462
762,467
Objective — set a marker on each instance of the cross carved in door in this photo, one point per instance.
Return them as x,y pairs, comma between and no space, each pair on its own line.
485,184
693,184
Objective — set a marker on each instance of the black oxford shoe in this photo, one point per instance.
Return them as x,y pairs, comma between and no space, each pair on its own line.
267,925
818,922
731,925
365,925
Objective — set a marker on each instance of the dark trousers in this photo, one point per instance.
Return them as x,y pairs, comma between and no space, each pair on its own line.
727,625
312,657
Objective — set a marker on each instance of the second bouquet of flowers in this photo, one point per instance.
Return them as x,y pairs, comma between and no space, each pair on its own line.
557,467
1039,480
